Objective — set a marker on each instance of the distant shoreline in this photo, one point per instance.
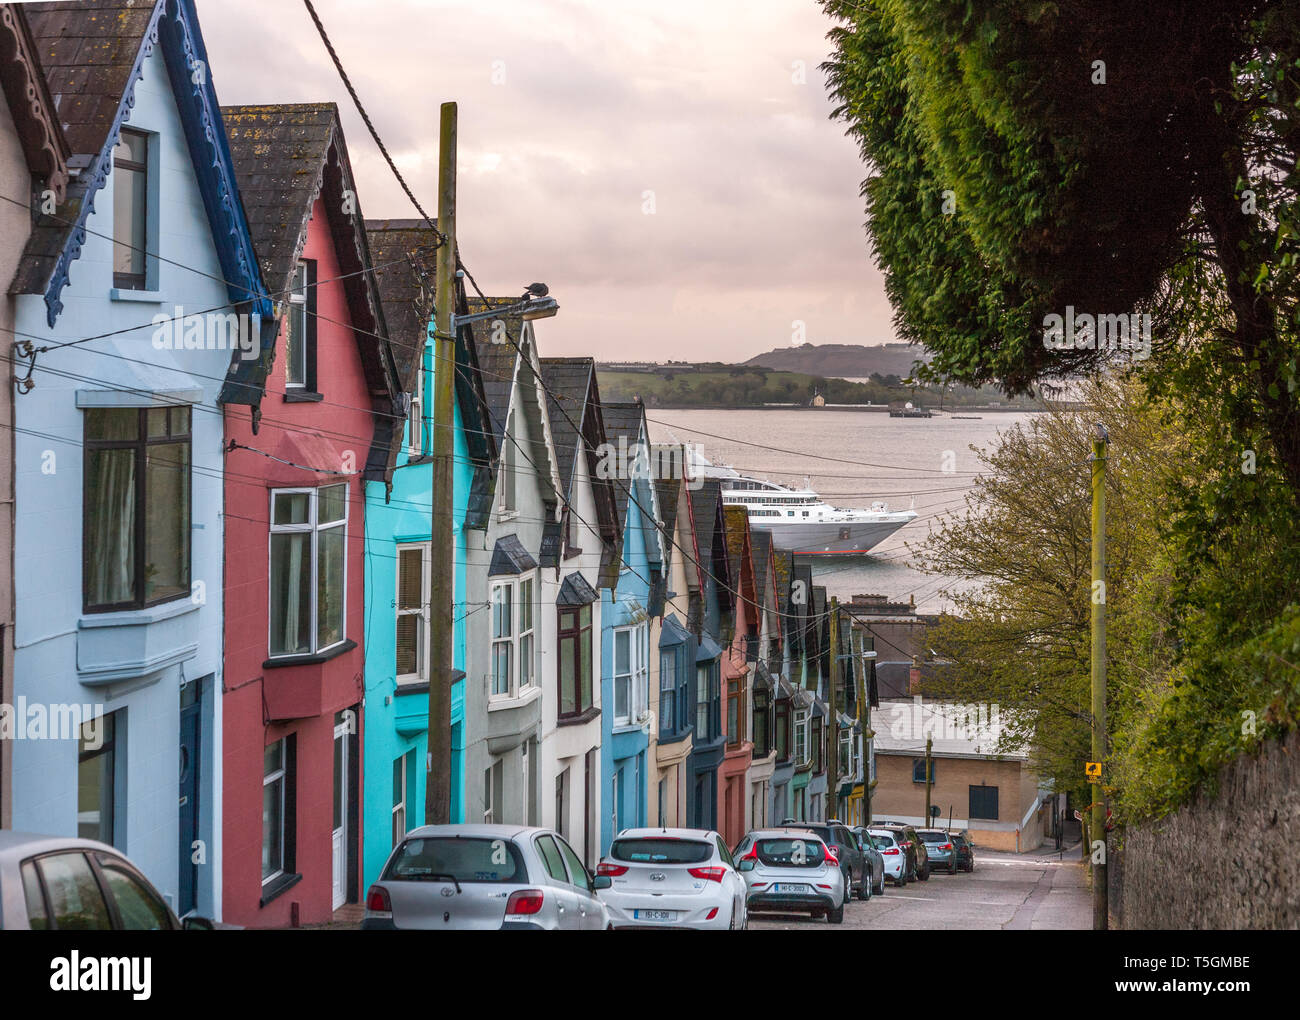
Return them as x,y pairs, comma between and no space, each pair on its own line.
945,413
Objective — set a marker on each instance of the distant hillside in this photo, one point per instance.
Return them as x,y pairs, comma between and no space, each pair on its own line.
843,361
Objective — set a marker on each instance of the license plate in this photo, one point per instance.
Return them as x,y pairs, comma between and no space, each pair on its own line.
654,915
788,887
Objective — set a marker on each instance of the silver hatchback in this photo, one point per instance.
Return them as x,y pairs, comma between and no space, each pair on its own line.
791,871
457,877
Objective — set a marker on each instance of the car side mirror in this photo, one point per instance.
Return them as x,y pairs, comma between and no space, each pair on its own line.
746,865
601,882
193,923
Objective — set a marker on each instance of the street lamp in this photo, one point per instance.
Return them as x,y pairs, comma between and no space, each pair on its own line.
535,303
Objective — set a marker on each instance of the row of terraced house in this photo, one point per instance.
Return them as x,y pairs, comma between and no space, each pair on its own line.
217,483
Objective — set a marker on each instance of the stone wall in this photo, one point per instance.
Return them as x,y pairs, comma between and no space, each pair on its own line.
1223,861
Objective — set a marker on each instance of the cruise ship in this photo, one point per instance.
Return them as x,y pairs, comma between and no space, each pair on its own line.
801,521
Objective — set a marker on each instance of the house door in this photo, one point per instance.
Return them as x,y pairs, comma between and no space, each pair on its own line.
339,851
188,805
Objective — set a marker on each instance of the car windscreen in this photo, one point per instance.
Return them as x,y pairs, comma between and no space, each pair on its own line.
660,851
935,837
884,839
791,852
462,858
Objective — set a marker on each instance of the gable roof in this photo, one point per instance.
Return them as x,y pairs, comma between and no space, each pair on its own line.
286,156
624,421
498,360
574,409
740,563
92,54
406,296
30,102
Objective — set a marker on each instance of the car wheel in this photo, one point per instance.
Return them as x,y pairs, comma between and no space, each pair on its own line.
836,916
866,887
924,876
881,890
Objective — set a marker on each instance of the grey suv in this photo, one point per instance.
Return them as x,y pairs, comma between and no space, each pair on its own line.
914,846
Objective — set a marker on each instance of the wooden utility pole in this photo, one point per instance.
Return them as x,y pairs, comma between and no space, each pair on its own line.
833,724
929,775
1100,904
437,794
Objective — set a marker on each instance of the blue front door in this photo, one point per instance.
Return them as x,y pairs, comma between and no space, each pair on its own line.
191,706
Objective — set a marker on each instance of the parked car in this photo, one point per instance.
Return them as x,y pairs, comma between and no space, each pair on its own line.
62,883
844,845
792,871
873,848
918,858
453,877
672,878
897,860
965,851
940,849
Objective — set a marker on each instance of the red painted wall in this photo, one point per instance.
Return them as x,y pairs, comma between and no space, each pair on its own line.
333,434
733,787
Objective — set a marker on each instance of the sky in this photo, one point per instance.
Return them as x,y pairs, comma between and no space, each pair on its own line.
669,169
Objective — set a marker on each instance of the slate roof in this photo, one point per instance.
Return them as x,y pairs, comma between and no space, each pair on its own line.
497,361
510,557
87,51
576,591
625,421
285,157
407,299
568,382
666,496
704,517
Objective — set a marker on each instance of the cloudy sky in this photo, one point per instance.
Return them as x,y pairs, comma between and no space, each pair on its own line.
669,168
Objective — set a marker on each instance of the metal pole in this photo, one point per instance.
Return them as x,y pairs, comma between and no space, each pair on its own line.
1100,905
929,773
833,724
437,795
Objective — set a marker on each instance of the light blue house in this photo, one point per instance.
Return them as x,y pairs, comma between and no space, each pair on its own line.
140,292
625,617
398,519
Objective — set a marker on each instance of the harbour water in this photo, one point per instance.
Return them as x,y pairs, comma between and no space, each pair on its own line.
853,459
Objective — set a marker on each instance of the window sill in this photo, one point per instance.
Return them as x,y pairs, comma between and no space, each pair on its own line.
278,886
295,396
144,297
310,660
422,686
631,727
501,703
578,720
135,617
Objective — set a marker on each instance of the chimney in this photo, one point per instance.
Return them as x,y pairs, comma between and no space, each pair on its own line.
914,678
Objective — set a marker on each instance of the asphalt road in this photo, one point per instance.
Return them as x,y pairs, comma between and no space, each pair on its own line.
1025,891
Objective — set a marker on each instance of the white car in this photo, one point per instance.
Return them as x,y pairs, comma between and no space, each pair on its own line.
895,856
672,878
792,871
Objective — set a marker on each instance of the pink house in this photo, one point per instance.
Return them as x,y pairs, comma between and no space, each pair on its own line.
306,422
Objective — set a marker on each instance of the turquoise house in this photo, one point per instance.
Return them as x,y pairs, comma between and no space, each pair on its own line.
625,617
397,552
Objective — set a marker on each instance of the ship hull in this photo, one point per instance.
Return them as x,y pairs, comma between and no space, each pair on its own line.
829,539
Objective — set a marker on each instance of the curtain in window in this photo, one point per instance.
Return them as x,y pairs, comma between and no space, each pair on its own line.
290,593
111,527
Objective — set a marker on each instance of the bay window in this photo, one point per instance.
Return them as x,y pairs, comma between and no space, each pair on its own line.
819,762
136,527
630,648
781,735
308,569
575,660
762,723
513,614
801,735
736,710
707,698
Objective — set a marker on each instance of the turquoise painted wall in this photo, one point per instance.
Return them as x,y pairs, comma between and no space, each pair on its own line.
396,724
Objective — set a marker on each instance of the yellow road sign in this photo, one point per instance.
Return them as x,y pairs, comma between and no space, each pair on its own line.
1092,769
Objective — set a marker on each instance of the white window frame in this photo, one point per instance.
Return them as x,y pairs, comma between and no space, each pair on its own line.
425,632
802,720
400,806
310,526
520,643
502,600
415,432
280,776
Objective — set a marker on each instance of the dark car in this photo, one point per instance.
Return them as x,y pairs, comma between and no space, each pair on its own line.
844,845
965,851
912,843
940,849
